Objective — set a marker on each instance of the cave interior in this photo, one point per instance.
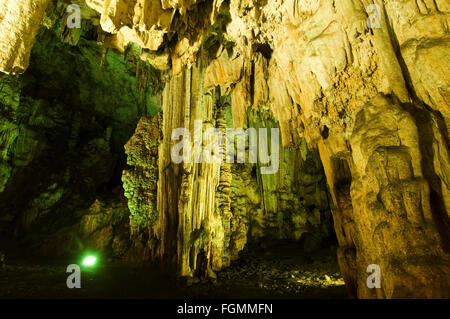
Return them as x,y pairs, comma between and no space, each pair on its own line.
115,155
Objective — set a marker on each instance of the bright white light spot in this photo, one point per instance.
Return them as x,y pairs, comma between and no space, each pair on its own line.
89,261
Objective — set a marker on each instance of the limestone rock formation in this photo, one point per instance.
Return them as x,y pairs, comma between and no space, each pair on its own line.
140,183
244,205
63,124
350,77
19,24
366,82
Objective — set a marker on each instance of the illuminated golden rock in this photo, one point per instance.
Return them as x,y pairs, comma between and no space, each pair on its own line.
20,21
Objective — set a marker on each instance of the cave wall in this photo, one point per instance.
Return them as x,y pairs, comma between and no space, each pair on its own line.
205,213
293,203
63,125
20,22
373,96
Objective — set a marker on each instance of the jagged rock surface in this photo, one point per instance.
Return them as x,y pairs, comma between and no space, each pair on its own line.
375,100
206,212
374,97
140,184
19,24
63,125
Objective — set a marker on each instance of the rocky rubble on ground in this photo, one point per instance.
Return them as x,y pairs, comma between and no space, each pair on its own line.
285,275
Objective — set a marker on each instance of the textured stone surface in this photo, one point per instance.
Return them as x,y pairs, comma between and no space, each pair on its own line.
62,130
291,204
374,100
140,183
190,228
206,213
19,23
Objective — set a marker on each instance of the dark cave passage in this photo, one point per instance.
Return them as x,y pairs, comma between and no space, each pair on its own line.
282,271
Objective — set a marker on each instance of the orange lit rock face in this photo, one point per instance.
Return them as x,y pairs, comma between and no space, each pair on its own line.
153,24
375,101
20,21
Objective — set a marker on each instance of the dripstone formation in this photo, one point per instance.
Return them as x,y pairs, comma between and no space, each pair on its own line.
358,88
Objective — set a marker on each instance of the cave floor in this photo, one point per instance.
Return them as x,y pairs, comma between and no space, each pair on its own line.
282,271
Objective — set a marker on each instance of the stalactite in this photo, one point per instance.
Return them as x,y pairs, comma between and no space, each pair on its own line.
19,23
143,74
223,194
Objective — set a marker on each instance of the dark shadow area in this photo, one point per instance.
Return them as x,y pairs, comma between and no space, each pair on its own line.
424,120
283,271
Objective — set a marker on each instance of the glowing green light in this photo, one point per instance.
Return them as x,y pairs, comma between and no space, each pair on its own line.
89,261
